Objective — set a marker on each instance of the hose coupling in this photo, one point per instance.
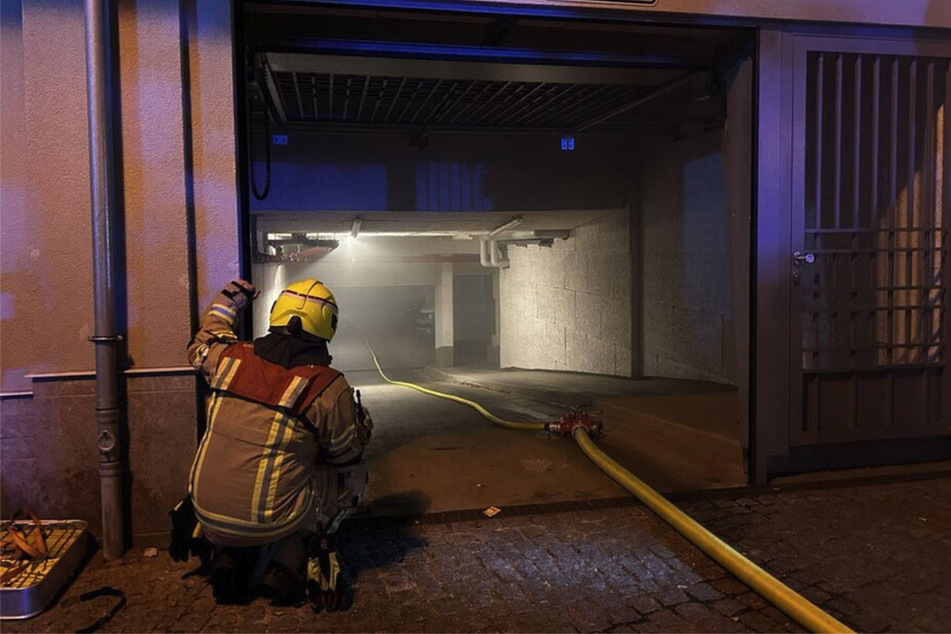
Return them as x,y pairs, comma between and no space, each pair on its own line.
589,421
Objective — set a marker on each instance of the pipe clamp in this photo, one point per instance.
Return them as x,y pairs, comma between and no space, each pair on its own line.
106,441
105,338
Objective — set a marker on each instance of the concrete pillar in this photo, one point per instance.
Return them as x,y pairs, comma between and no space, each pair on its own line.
495,344
443,317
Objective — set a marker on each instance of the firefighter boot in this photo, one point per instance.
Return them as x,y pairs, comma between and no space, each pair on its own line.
326,586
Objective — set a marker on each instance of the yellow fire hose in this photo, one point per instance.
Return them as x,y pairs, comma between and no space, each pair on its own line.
803,611
806,613
458,399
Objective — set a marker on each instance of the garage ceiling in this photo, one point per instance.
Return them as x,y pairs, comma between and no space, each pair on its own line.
362,91
359,67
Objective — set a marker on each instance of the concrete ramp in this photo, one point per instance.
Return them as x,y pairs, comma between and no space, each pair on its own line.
691,440
430,455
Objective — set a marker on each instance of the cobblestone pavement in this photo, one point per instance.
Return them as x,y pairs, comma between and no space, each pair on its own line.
875,555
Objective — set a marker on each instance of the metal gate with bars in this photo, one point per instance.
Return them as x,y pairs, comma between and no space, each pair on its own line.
871,213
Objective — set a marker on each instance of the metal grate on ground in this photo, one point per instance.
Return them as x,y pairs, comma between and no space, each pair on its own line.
59,538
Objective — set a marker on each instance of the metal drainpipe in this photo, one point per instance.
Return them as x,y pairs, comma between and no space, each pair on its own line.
102,181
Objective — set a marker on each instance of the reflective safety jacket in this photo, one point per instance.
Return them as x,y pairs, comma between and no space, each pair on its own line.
269,430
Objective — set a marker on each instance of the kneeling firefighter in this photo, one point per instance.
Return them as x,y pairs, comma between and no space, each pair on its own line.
281,463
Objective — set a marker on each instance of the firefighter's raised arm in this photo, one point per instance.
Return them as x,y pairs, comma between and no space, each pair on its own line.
217,328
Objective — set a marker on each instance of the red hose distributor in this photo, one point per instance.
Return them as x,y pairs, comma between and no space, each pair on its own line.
590,421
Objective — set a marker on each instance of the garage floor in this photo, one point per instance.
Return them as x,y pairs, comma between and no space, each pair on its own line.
431,455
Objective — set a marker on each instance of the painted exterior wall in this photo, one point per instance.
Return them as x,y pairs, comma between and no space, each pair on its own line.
153,179
46,239
47,299
46,244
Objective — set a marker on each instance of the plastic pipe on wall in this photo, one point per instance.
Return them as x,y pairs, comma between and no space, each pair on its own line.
496,257
484,259
490,254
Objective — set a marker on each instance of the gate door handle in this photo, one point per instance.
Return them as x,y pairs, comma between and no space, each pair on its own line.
800,258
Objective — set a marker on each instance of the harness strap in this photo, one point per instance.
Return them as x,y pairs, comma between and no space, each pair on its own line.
33,543
243,373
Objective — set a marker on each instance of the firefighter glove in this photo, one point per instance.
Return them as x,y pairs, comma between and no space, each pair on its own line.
240,292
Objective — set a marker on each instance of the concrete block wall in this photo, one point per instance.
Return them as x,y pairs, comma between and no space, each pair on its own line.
568,307
687,306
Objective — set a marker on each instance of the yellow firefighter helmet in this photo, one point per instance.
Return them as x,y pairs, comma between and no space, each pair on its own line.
311,303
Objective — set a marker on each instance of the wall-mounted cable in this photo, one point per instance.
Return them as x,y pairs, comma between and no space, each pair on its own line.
259,108
261,194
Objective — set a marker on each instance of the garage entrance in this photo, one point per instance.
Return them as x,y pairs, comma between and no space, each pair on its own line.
527,211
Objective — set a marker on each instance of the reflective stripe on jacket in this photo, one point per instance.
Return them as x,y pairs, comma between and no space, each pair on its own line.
268,430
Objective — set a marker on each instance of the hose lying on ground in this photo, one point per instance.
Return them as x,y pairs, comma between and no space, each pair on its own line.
458,399
806,613
803,611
